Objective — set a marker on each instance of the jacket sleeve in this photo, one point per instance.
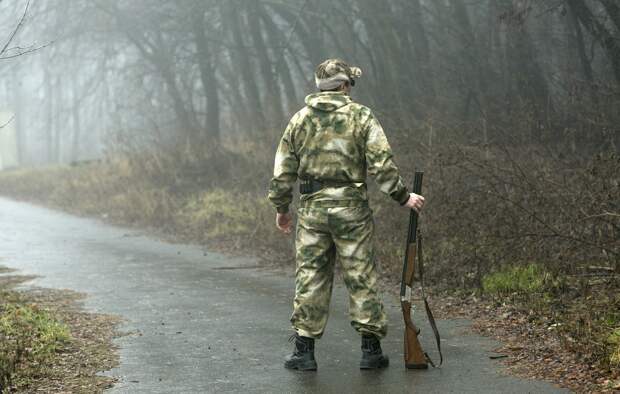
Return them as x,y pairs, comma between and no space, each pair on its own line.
381,166
284,171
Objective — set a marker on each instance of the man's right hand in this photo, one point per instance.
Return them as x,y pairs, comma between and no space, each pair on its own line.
415,201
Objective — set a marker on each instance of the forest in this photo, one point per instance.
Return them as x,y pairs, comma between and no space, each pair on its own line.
167,115
482,73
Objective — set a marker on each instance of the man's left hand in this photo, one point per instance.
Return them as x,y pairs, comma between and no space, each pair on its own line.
284,222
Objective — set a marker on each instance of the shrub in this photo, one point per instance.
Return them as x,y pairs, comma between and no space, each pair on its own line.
525,280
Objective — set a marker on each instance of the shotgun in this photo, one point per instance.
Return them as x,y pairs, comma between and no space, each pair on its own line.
415,357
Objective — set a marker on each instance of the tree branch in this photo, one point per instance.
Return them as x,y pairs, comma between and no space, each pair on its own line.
7,123
16,30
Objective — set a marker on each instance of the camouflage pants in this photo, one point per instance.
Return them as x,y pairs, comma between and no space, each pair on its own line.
325,235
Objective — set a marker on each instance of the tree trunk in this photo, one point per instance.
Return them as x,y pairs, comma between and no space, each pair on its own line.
242,61
207,76
271,87
524,64
283,69
422,52
18,109
581,50
162,59
610,43
613,10
76,122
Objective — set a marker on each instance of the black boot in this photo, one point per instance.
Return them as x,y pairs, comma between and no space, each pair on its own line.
372,356
302,358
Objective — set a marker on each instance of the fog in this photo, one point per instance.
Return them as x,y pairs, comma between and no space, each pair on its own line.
105,75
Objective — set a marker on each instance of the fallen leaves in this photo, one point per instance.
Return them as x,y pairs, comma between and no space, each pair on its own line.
532,346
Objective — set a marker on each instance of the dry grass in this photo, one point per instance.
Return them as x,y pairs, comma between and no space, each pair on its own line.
65,352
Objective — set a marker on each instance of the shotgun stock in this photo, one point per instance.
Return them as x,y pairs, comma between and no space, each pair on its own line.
415,357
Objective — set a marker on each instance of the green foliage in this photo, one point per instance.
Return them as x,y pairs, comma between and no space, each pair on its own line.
27,334
524,280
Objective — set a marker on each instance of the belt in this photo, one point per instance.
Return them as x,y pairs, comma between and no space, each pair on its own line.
311,185
333,203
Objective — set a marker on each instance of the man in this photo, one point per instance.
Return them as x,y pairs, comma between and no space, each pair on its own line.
329,145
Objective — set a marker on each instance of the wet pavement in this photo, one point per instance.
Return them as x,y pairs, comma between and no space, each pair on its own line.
207,323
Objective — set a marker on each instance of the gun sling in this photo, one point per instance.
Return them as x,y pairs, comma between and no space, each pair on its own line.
429,313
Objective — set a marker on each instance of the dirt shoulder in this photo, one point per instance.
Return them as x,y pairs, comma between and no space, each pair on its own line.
49,343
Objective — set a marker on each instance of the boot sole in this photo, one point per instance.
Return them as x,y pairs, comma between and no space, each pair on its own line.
383,364
310,366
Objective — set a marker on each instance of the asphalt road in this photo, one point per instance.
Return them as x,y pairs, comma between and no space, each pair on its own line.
206,323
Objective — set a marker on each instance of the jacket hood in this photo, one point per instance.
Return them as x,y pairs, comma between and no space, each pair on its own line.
327,101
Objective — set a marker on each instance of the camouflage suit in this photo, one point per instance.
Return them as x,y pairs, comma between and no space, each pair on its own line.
337,141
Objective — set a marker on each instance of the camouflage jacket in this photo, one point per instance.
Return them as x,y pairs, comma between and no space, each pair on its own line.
334,139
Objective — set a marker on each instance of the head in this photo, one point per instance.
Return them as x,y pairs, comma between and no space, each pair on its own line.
336,75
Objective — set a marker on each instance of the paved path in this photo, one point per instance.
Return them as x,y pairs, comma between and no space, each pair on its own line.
206,323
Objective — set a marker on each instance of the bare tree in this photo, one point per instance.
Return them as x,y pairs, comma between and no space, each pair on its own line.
203,72
9,52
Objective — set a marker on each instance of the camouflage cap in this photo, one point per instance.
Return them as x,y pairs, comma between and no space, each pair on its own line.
333,72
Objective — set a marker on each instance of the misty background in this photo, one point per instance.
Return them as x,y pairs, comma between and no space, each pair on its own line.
126,74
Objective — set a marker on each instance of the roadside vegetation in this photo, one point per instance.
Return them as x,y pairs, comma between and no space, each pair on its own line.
587,326
47,344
